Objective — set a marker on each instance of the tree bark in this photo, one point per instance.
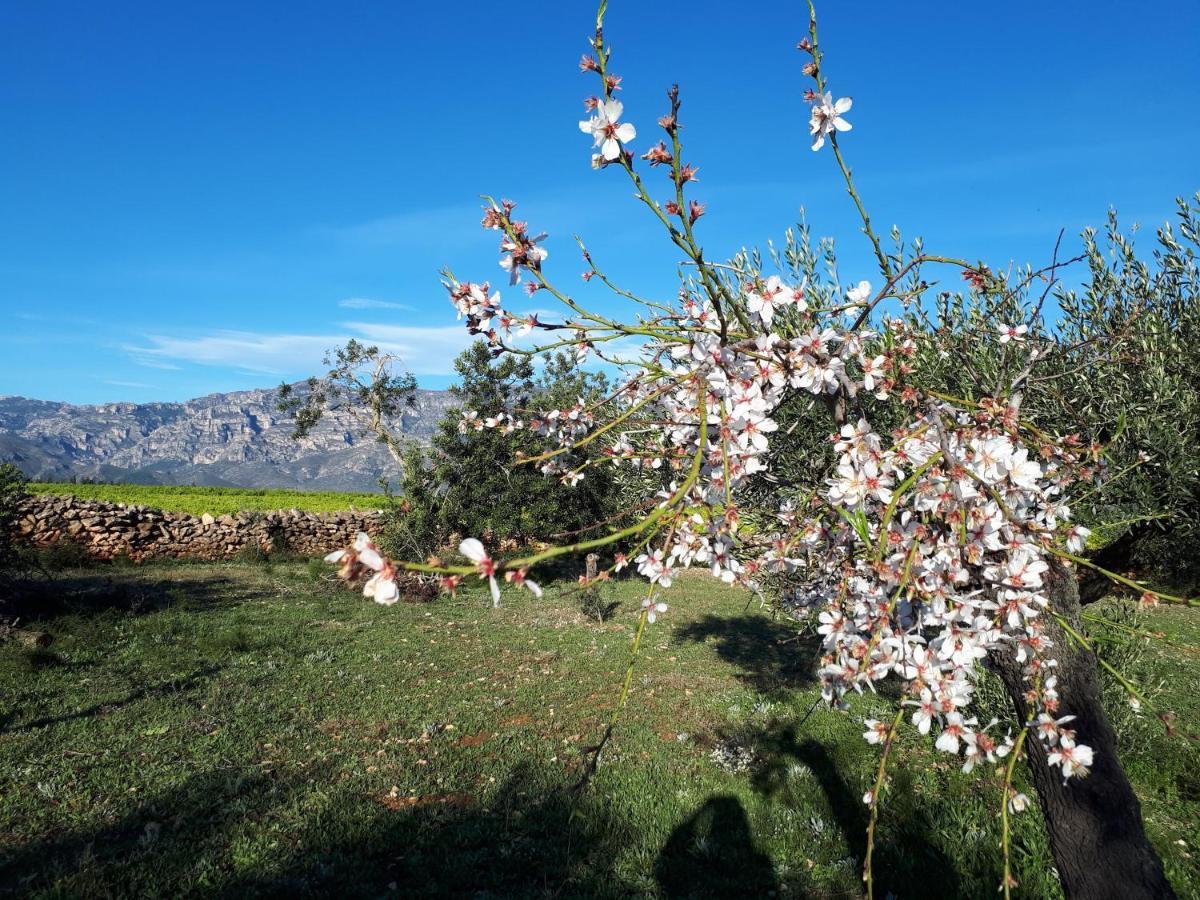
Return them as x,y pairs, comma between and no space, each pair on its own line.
1095,823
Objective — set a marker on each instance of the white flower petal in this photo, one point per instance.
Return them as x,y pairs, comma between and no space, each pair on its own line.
386,592
473,550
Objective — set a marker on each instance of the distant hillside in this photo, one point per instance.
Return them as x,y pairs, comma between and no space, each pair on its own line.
222,440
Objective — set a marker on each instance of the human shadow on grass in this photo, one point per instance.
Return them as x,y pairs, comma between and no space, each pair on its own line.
907,859
770,656
170,686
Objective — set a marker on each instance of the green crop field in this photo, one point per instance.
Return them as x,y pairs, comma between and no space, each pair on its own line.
215,500
237,730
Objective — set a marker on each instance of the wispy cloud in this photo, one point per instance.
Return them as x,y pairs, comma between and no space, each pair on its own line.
272,354
454,224
151,362
422,351
129,384
368,303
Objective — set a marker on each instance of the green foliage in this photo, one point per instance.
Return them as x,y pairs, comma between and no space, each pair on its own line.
64,554
1118,632
1121,369
1143,401
472,483
13,490
251,553
218,501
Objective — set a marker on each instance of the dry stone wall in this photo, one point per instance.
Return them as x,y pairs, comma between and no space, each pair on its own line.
108,530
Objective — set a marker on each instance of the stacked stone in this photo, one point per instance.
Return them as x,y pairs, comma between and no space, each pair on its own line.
109,530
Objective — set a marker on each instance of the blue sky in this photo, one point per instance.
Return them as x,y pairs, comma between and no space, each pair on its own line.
201,197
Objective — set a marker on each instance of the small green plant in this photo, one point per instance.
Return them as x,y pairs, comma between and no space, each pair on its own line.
233,640
122,560
65,554
280,545
251,553
471,481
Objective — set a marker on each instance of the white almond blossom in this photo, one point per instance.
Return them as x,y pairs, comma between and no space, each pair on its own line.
653,608
606,133
827,118
473,550
1014,333
860,293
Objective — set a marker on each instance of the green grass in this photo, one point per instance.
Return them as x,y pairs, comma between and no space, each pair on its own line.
240,731
215,500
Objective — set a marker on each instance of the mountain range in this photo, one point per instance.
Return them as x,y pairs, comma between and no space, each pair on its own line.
238,439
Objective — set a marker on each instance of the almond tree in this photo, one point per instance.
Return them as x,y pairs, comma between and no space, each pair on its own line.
936,545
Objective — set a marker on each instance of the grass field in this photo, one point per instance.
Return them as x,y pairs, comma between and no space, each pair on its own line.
258,731
215,500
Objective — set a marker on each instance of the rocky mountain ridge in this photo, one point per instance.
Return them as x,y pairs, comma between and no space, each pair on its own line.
238,439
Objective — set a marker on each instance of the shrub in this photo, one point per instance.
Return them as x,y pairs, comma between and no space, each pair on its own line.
12,492
65,554
251,553
473,482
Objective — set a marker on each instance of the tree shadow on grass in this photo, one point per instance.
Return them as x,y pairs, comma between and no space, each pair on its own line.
772,657
241,833
92,593
907,859
232,834
151,850
781,747
162,689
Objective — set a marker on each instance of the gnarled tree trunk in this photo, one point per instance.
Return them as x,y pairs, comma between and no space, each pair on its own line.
1095,823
